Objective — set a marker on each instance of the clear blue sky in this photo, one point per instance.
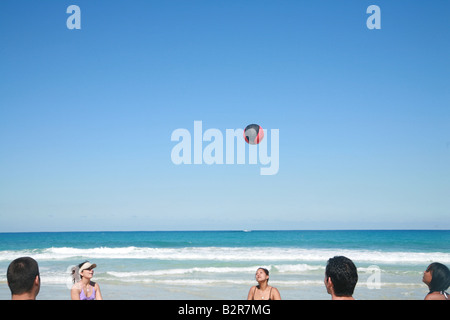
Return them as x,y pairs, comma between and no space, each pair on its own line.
86,115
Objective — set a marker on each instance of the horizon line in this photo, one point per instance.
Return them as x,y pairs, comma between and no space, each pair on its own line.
221,230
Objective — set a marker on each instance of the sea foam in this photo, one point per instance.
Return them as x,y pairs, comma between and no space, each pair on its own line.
268,254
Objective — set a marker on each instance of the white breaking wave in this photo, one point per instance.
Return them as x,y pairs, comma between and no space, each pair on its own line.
266,254
169,272
299,268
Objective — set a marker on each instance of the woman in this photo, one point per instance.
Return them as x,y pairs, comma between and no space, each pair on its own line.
84,288
263,291
437,278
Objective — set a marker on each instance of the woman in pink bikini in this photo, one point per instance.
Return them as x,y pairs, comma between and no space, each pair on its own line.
84,288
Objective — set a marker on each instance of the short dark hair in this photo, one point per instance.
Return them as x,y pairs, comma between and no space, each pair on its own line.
343,274
440,277
21,275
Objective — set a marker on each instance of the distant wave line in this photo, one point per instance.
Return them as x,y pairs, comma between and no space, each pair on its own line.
268,254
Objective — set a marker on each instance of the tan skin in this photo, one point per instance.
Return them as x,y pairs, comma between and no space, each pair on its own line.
427,276
86,285
262,290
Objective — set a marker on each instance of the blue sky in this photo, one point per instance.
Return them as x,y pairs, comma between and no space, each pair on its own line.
86,115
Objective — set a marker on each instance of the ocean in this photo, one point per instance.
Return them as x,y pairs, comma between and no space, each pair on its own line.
195,265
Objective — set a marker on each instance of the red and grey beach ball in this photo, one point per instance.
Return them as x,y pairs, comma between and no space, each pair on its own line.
253,134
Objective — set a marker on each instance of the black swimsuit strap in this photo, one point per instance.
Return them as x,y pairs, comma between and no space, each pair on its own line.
270,293
254,293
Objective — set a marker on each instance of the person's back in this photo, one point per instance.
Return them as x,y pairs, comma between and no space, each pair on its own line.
23,279
340,278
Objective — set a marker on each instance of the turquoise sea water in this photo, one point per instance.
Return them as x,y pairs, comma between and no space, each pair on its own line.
221,264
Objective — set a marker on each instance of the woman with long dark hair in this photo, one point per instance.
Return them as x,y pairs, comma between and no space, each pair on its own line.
263,291
437,278
84,288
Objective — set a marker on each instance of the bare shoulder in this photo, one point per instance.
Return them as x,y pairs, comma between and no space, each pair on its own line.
76,286
275,294
435,296
251,292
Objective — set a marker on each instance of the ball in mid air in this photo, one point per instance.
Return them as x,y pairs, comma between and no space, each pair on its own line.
253,134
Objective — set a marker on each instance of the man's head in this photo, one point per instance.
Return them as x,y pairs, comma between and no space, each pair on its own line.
340,277
23,278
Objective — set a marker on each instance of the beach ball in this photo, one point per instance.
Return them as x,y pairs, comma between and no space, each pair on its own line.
253,134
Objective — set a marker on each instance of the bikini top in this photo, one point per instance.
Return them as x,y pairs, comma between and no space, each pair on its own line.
84,297
270,293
